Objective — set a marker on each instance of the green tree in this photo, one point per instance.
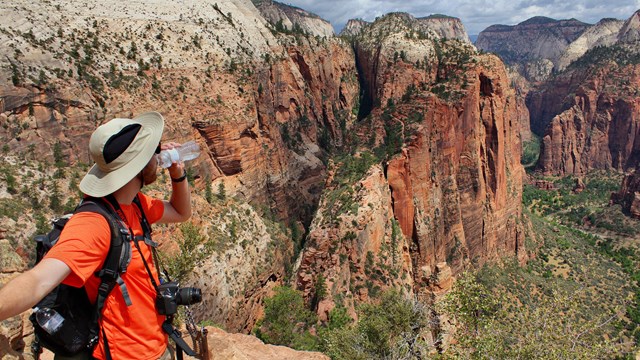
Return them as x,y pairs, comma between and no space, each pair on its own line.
55,201
43,225
320,291
338,318
287,321
133,51
16,76
222,193
471,303
208,192
58,156
11,182
191,253
42,78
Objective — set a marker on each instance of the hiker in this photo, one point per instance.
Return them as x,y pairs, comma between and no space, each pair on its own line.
124,154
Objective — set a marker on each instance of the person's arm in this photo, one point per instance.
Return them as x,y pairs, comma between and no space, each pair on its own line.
178,208
24,291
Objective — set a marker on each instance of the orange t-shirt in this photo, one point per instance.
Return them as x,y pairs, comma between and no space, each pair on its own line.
133,332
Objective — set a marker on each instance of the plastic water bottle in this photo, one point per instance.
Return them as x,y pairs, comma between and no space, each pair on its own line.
188,151
49,320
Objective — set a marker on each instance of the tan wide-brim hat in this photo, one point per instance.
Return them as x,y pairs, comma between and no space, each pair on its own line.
121,148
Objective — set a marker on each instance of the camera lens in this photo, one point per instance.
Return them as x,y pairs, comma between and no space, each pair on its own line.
188,296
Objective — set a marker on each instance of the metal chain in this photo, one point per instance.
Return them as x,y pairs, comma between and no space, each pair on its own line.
198,336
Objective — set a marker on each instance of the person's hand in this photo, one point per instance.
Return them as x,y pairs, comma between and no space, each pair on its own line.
176,170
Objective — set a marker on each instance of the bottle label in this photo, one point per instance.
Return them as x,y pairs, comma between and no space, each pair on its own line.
49,320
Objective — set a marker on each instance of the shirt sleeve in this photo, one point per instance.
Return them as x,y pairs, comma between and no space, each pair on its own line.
153,208
83,246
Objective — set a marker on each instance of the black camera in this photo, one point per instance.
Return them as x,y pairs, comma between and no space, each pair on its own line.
170,295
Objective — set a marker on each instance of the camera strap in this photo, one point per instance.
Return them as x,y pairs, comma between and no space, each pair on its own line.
176,336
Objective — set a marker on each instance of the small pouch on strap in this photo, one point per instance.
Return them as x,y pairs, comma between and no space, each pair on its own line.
125,258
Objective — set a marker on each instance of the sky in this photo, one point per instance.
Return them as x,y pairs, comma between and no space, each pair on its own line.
476,15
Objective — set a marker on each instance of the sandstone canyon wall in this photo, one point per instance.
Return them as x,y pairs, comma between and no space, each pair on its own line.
257,101
285,120
447,193
293,18
588,113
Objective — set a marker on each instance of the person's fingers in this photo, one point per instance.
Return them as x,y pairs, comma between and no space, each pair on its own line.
170,145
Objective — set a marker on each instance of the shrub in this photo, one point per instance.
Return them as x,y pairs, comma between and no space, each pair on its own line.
181,265
287,321
390,329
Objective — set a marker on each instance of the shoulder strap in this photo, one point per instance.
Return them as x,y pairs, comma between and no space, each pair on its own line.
146,234
116,261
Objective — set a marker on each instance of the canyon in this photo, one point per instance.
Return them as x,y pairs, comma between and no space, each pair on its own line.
388,157
583,105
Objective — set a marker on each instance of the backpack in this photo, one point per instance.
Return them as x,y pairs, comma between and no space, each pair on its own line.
79,332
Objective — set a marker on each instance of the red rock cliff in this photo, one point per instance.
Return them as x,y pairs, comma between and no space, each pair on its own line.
265,106
596,126
451,186
629,195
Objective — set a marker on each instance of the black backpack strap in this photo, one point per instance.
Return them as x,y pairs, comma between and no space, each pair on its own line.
107,351
146,234
119,254
116,262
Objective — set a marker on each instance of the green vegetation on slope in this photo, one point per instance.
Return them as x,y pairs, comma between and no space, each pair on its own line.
588,209
601,55
576,298
389,329
547,324
530,152
589,247
35,191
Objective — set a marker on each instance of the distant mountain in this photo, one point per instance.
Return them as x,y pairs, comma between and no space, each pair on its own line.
604,33
540,20
293,19
442,26
353,27
533,39
630,32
